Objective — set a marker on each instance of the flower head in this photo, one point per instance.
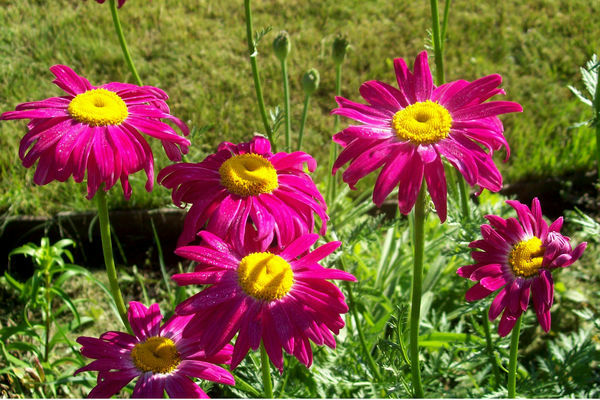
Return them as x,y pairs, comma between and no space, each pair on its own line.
408,130
96,129
281,297
244,184
119,3
518,257
158,355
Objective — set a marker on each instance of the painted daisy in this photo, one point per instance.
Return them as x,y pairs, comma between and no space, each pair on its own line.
96,129
518,257
408,130
158,355
243,187
280,297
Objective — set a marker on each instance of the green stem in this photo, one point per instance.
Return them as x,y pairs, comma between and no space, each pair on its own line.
47,316
266,371
597,120
361,335
286,104
437,43
512,365
303,121
463,193
244,386
490,347
331,181
445,22
415,310
109,261
257,86
121,35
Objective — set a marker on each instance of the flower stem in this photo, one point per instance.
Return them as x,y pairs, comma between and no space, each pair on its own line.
490,347
361,335
109,261
437,43
121,35
331,181
415,310
514,352
266,372
597,120
303,121
48,309
286,104
257,86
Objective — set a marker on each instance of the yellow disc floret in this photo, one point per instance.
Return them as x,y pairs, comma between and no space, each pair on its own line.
98,107
424,122
265,276
248,175
157,354
526,257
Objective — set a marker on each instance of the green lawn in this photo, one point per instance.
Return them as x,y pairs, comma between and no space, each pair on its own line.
196,51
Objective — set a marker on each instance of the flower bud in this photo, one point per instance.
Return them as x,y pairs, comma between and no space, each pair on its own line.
282,45
310,81
340,47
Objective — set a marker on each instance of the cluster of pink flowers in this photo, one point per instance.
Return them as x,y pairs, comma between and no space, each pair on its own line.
251,222
252,211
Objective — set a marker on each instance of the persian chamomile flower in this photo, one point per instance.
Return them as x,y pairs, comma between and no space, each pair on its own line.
408,130
98,130
157,355
518,257
247,183
280,297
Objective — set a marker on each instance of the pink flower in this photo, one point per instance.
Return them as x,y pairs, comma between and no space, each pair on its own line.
96,129
281,297
158,355
518,257
120,3
408,130
244,184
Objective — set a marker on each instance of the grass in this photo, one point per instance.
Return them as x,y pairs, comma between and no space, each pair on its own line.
196,51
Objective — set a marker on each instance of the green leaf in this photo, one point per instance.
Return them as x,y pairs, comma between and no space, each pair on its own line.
18,286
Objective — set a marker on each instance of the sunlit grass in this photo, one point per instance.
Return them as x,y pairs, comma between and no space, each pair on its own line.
196,51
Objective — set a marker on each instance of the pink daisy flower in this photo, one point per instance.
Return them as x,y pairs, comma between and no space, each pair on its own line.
408,130
96,129
158,355
518,257
281,297
246,184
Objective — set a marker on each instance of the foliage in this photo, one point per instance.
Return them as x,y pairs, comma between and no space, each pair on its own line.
38,356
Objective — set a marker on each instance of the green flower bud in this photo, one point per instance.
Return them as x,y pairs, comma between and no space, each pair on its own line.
282,45
340,47
310,81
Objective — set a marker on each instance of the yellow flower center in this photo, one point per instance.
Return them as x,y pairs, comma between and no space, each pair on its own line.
265,276
157,354
98,107
248,175
424,122
526,257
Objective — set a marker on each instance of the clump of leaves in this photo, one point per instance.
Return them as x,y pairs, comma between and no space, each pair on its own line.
37,356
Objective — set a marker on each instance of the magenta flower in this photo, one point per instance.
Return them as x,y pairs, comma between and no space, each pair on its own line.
96,129
120,2
518,256
281,297
158,355
246,184
408,130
